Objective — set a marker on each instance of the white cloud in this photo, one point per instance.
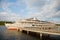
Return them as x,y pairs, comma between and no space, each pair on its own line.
8,16
46,11
42,9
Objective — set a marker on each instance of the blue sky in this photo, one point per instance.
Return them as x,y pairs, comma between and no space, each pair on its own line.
47,10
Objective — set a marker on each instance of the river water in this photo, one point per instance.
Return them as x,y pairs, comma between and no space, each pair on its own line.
14,35
17,35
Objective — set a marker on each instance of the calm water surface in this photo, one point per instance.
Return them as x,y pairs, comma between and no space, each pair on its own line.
14,35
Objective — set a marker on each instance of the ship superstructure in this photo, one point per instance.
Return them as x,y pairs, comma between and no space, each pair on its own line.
31,22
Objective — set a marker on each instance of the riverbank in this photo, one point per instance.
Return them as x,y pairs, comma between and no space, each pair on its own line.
3,22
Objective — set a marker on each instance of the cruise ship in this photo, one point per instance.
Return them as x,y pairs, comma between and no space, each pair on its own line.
31,22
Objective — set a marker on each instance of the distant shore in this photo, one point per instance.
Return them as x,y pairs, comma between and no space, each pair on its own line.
3,22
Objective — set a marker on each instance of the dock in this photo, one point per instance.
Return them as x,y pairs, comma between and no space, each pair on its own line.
40,31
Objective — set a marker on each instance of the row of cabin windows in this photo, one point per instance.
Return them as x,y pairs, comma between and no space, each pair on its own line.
46,28
41,25
35,22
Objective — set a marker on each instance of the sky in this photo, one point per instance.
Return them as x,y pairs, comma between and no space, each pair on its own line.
46,10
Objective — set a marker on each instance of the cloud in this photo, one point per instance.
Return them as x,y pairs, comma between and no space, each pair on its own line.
5,16
43,9
48,10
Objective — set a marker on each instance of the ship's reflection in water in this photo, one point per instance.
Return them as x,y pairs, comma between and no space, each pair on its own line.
14,35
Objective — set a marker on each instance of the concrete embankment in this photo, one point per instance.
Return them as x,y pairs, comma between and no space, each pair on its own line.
31,33
35,34
43,37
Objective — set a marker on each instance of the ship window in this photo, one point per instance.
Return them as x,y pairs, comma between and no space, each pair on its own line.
33,25
49,28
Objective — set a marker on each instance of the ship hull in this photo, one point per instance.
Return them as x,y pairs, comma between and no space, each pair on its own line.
11,27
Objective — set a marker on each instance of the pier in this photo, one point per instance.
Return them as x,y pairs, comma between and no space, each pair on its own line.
40,32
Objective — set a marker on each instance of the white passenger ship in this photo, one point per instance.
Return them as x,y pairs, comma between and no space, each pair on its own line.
31,22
